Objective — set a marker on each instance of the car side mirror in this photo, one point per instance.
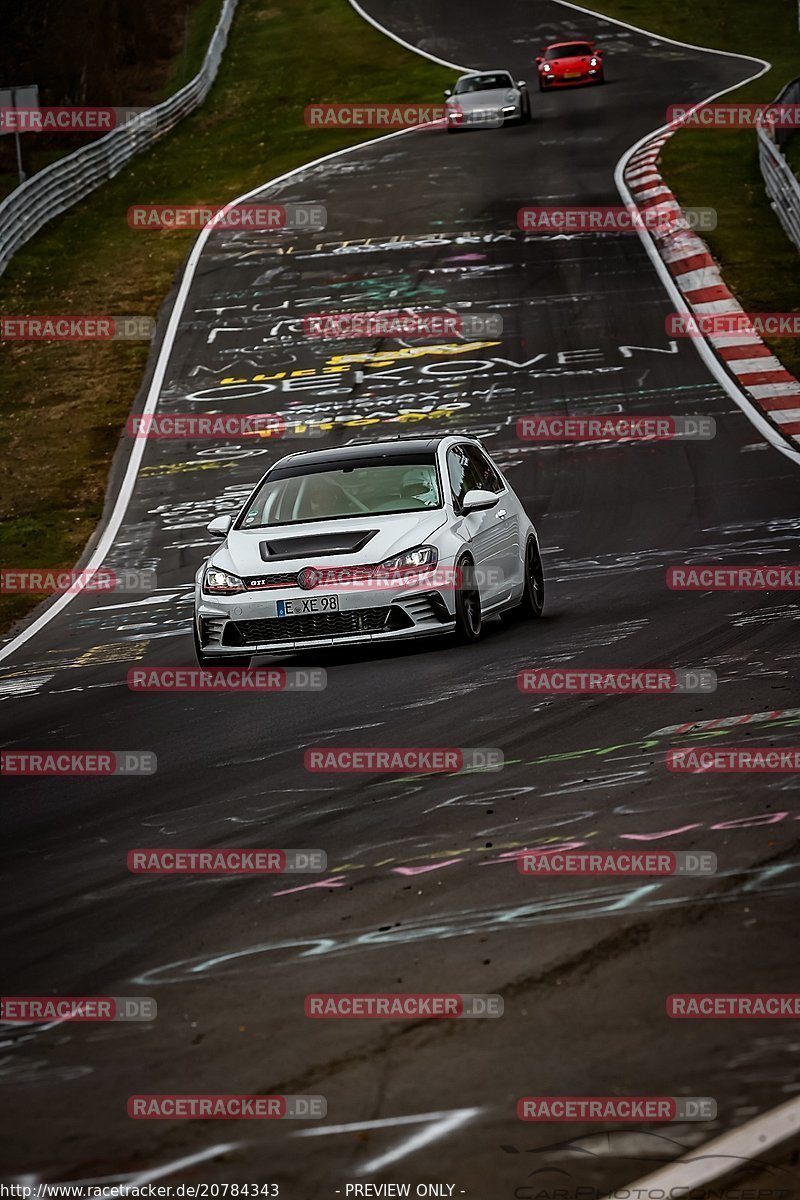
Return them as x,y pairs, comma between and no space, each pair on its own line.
447,92
521,83
478,499
220,526
539,58
598,53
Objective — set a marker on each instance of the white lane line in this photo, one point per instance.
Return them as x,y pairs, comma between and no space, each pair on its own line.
443,62
726,1153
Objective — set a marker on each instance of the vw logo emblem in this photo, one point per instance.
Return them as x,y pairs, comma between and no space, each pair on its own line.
308,578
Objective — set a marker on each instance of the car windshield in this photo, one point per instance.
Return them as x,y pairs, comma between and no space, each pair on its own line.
483,83
573,50
344,489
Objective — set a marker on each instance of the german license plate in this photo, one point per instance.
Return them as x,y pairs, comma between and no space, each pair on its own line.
306,605
572,74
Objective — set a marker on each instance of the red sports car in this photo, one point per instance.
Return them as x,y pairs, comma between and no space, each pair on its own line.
567,63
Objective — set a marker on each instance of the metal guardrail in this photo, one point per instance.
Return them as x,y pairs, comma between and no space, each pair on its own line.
782,185
58,186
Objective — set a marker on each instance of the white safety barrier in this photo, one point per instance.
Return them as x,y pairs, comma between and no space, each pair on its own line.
783,187
61,184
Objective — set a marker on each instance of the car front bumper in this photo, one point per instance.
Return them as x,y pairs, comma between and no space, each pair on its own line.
553,81
248,623
483,118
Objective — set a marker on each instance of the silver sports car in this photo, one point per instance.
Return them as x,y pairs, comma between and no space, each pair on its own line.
372,542
486,99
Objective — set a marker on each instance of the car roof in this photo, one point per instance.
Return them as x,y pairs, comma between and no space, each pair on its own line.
477,74
396,447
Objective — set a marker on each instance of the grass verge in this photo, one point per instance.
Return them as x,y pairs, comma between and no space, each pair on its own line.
64,404
720,168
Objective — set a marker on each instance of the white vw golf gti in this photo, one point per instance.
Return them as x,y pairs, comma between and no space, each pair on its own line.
378,541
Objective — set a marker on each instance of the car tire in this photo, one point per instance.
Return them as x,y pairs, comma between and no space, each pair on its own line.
204,660
531,605
469,619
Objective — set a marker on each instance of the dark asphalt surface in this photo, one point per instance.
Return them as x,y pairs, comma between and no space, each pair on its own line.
422,892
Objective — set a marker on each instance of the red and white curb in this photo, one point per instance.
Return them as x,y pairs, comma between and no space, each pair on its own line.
760,375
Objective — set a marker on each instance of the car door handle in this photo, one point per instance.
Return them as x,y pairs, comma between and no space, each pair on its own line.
500,514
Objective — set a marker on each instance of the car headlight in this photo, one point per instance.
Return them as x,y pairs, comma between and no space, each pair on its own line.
547,67
420,556
221,583
511,98
592,62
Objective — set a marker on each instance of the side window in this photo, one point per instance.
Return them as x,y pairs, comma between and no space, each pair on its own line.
490,478
462,472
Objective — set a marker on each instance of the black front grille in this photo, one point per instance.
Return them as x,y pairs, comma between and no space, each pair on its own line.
329,624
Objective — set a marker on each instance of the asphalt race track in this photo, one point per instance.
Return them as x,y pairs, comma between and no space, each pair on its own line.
422,893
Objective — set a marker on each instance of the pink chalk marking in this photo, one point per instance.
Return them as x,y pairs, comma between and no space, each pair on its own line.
752,822
652,837
304,887
450,862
